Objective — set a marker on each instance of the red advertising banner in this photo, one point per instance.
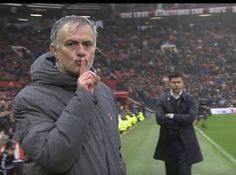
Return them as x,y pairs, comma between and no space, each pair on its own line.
6,83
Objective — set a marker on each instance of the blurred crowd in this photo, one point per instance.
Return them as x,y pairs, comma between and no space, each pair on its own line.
135,59
205,54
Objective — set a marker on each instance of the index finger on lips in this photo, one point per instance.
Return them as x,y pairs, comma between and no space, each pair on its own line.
82,67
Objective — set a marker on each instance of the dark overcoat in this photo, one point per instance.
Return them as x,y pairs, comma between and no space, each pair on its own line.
184,115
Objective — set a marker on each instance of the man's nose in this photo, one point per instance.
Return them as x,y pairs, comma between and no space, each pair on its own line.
80,50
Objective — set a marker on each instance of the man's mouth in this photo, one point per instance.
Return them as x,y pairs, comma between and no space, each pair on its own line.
78,62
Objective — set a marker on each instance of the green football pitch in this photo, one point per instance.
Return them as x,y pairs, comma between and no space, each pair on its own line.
218,148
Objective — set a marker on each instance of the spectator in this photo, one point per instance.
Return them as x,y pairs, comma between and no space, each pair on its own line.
7,159
204,103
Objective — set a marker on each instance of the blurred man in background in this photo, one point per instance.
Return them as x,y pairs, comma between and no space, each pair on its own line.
7,159
204,109
177,145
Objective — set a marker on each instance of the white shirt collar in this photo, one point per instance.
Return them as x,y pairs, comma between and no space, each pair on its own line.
176,97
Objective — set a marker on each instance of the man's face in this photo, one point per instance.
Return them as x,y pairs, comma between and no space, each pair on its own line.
74,43
176,84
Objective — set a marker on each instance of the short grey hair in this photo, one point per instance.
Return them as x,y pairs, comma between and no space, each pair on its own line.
71,20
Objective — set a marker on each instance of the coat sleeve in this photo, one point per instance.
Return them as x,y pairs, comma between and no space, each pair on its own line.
55,146
188,117
161,119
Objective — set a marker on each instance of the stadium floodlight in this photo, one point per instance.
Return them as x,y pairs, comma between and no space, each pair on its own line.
49,4
34,14
12,4
156,17
22,19
204,15
43,6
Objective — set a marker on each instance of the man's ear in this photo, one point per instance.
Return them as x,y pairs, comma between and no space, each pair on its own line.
53,49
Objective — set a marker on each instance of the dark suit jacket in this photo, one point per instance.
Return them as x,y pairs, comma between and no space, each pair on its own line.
177,130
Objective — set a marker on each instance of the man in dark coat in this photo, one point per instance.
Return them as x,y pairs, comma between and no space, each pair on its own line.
204,109
67,119
177,144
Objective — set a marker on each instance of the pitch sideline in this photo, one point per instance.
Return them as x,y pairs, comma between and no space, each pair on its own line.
223,151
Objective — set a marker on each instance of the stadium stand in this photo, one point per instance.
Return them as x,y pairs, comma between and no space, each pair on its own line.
132,60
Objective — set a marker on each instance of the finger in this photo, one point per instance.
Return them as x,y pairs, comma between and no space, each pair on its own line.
82,66
96,78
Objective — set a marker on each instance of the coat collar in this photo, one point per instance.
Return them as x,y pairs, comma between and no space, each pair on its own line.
183,96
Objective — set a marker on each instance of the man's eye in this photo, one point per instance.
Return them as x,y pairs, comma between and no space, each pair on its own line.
88,44
71,44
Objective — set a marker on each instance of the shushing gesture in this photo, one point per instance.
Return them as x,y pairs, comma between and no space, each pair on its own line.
87,78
